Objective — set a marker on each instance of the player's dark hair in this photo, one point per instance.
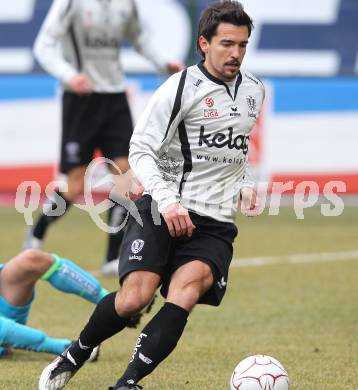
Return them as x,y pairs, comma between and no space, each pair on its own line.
227,11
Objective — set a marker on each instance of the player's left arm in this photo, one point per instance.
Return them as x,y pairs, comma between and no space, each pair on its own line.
141,42
249,201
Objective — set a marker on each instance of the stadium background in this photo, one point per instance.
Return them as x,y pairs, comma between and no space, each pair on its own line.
293,292
305,51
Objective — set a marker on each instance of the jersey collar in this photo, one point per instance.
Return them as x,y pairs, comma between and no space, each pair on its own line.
220,82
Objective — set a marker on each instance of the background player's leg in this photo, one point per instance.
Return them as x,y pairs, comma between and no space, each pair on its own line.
161,335
60,202
117,216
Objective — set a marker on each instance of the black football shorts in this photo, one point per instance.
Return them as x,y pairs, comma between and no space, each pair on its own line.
151,248
97,121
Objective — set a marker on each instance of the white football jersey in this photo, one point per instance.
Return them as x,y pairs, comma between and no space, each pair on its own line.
84,36
191,143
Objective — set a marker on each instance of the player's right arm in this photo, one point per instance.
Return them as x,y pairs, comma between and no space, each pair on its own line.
140,39
153,131
47,48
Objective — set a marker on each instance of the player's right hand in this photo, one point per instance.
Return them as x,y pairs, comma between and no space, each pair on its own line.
136,189
80,84
174,67
178,220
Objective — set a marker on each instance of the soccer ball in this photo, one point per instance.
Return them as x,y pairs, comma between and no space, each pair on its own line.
259,372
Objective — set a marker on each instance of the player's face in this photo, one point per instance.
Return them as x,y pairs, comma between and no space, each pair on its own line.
226,51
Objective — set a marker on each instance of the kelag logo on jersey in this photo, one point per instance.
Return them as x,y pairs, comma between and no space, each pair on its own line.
221,140
104,40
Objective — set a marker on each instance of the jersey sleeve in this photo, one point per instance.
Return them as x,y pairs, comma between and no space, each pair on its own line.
47,48
248,179
140,39
154,129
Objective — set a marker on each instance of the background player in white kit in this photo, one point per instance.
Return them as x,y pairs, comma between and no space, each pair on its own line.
207,110
79,44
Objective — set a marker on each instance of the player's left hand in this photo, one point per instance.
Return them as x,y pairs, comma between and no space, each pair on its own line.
174,67
249,205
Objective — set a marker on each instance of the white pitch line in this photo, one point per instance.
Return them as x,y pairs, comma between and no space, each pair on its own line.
320,257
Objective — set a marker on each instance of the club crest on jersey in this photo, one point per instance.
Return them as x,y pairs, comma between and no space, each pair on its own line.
209,102
251,102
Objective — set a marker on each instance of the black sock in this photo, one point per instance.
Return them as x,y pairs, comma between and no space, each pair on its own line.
45,220
157,340
103,324
116,217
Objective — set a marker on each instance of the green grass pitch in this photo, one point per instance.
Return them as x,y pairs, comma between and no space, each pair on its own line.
305,315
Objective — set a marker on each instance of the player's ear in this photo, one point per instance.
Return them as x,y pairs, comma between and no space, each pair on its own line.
204,44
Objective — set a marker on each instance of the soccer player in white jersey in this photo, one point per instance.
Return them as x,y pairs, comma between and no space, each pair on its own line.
189,150
79,44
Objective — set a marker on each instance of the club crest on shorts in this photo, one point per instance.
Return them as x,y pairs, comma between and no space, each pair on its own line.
72,152
137,246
